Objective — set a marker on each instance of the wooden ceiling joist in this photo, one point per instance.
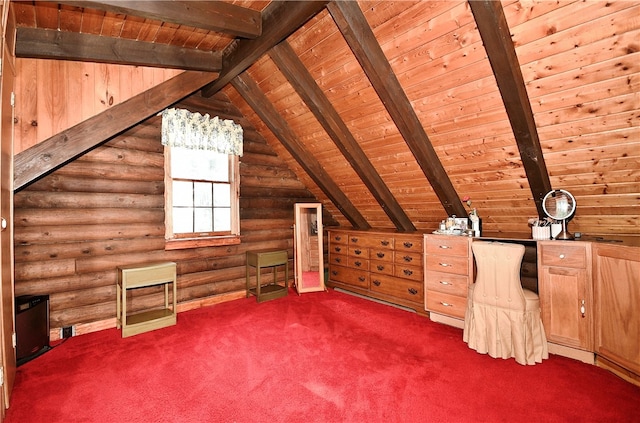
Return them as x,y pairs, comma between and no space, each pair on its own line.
51,44
210,15
306,87
496,37
50,154
252,94
362,41
279,20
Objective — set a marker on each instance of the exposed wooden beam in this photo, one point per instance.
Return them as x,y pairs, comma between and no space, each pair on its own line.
252,94
307,88
496,38
363,44
210,15
279,20
48,155
51,44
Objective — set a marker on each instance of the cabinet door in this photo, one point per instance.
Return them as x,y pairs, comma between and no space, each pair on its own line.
566,308
617,298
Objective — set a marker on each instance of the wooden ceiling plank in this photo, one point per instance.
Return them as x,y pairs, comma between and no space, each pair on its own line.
279,20
362,41
252,94
496,37
50,154
51,44
306,87
211,15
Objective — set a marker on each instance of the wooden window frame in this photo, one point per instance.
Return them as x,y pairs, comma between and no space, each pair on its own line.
206,239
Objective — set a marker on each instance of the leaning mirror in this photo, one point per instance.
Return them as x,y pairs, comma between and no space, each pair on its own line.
560,205
308,250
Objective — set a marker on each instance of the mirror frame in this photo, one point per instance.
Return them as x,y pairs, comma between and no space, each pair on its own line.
306,238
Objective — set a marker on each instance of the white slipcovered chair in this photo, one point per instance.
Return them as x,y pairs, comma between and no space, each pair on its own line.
502,318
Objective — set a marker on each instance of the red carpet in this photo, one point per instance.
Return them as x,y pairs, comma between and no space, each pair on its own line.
319,357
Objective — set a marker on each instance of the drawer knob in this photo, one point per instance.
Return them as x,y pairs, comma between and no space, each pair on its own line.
407,259
561,256
446,304
334,272
338,238
445,283
412,291
384,243
408,244
380,255
444,264
376,283
354,239
338,249
358,263
408,272
358,252
361,278
444,247
337,259
380,267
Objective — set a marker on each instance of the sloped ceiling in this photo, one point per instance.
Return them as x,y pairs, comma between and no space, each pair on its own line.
390,112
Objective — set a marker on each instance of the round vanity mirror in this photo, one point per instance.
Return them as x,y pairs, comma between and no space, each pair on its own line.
560,205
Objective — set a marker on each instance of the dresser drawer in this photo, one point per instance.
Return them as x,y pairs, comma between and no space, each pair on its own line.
338,249
408,272
366,240
358,251
349,276
381,254
448,264
338,259
408,243
564,255
448,245
450,305
338,237
447,283
358,263
398,288
383,267
405,258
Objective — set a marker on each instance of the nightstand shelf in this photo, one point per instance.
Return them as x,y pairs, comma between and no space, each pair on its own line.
141,276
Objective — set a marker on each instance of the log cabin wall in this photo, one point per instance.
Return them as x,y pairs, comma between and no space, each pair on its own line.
106,208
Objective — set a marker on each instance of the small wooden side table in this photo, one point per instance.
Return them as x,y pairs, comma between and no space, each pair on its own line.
139,276
267,258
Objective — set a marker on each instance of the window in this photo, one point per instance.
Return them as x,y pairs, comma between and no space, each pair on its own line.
202,179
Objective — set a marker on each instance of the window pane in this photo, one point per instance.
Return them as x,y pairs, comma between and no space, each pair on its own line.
222,195
182,220
203,221
183,193
202,194
222,219
219,167
199,164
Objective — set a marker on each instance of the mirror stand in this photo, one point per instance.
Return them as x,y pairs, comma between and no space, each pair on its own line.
308,248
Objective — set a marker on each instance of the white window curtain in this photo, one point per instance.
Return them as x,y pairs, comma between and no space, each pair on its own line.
181,128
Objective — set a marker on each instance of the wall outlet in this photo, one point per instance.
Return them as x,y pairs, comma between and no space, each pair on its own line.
67,332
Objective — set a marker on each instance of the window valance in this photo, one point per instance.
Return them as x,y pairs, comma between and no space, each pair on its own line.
181,128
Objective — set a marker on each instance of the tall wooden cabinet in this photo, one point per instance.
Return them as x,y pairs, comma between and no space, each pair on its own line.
566,299
382,265
617,313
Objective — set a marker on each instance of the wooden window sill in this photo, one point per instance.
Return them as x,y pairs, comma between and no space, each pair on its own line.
180,244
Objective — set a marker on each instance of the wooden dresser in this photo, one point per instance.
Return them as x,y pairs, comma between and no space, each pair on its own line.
448,272
383,265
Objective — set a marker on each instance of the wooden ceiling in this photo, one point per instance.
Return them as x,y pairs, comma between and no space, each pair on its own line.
390,112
